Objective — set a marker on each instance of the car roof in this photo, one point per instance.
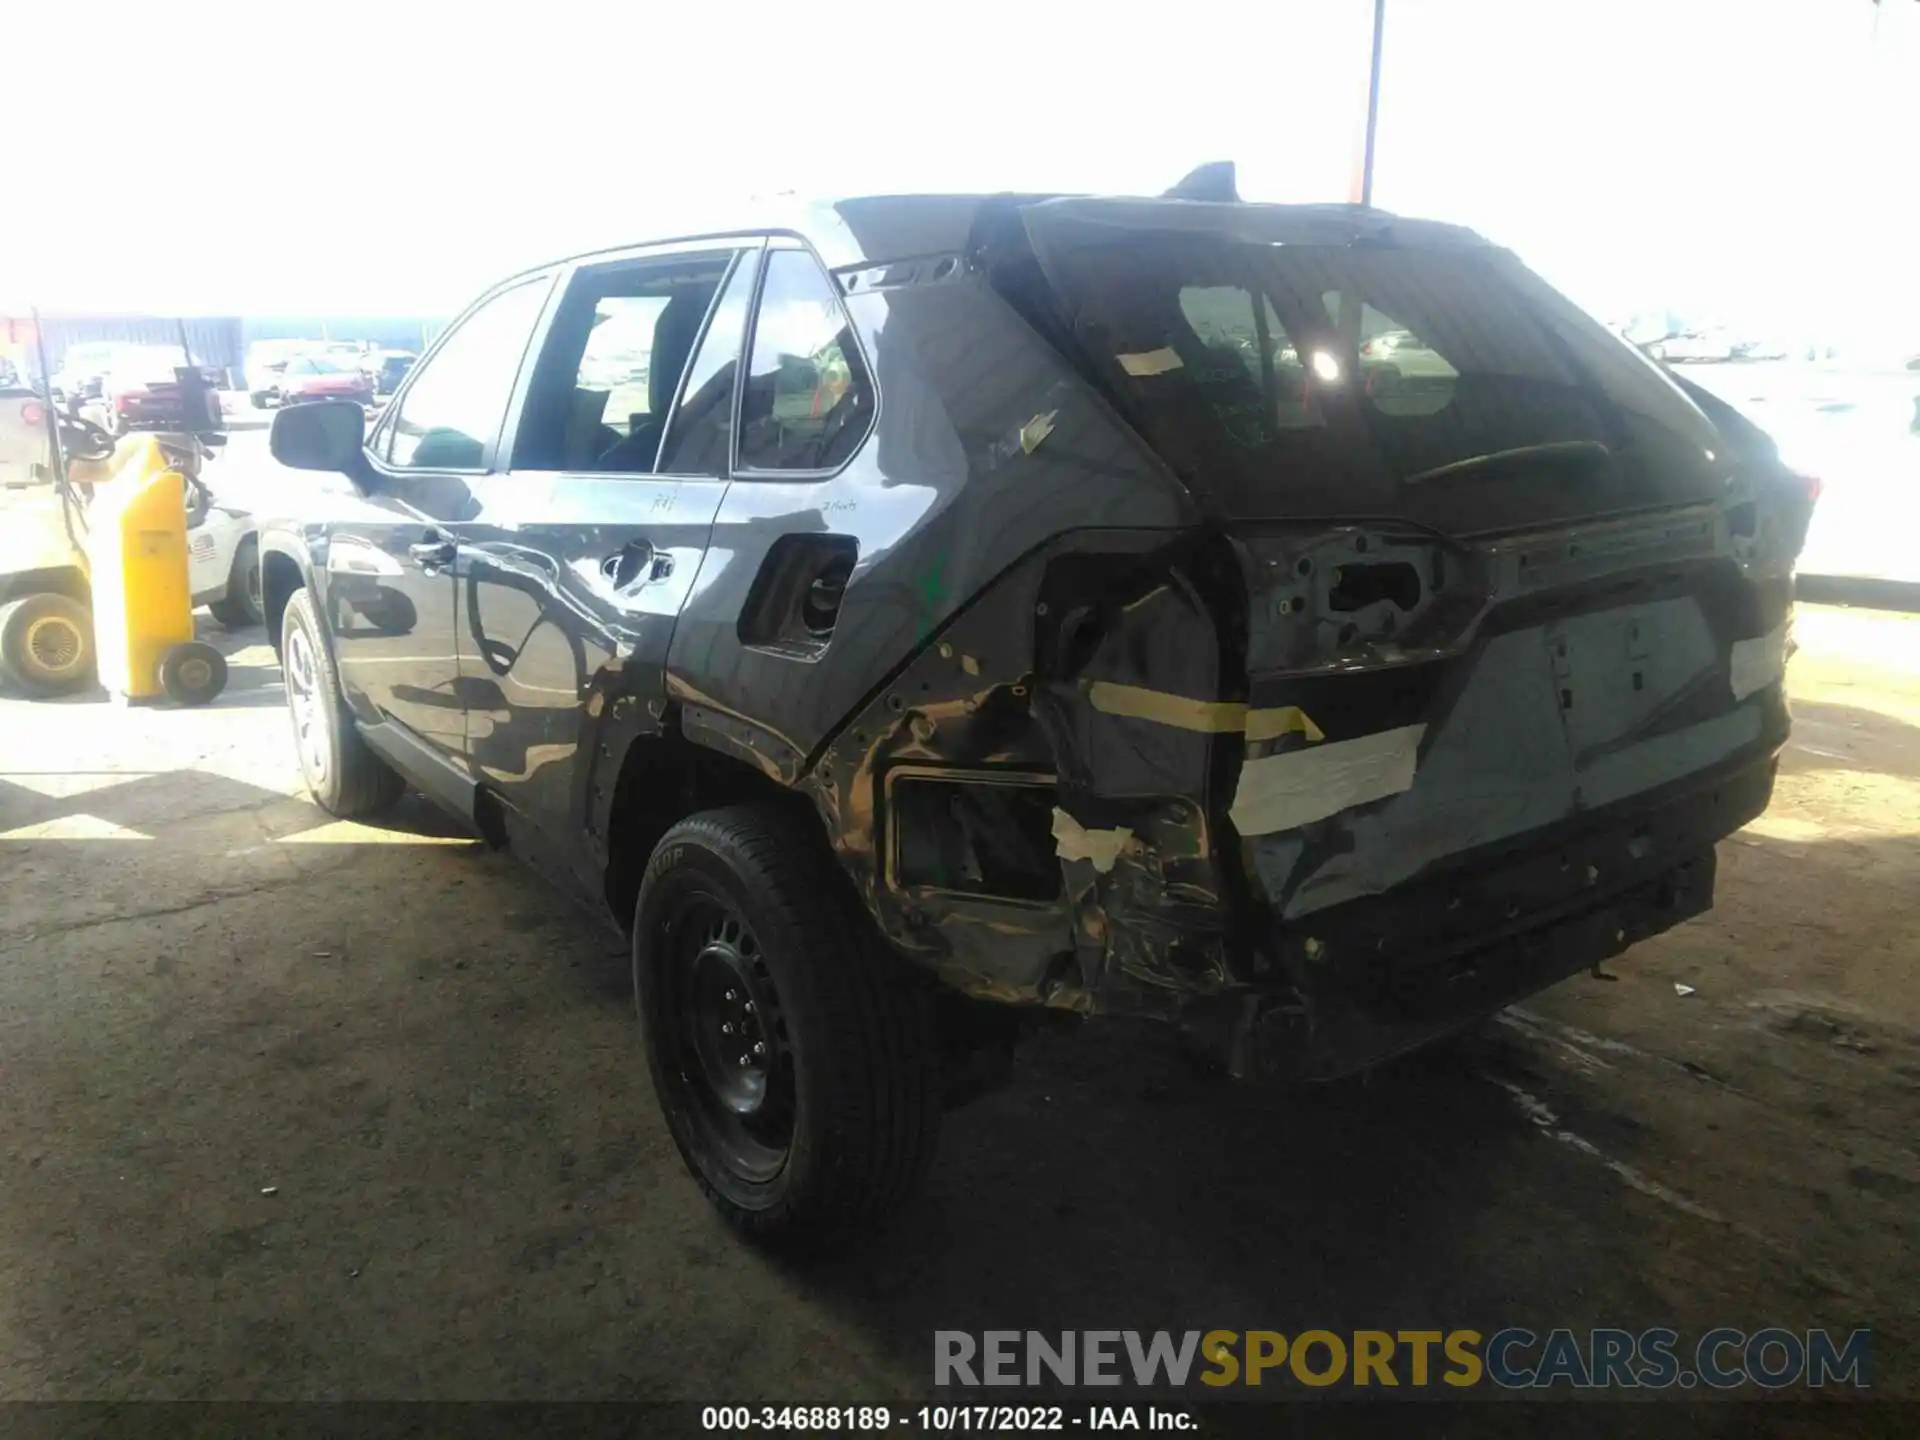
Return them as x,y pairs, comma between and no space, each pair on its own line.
868,229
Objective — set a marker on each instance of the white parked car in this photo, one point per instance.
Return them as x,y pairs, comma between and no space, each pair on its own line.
1695,346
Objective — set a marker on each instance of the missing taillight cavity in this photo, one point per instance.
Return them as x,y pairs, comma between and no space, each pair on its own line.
975,837
1355,587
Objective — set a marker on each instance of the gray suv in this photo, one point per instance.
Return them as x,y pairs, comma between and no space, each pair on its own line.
913,615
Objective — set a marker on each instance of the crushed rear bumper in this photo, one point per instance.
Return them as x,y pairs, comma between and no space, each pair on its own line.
1376,977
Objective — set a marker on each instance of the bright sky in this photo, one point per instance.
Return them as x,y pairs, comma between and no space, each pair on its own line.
394,157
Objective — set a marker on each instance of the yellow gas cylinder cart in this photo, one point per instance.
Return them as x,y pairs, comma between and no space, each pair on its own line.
142,598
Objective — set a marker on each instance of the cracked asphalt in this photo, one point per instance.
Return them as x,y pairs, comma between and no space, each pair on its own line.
301,1109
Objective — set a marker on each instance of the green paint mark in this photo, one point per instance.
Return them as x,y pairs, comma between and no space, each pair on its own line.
933,593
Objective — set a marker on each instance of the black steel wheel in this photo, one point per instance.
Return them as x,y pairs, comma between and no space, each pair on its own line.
792,1050
730,1038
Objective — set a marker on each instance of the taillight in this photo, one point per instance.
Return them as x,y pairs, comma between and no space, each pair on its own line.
32,414
1812,485
123,402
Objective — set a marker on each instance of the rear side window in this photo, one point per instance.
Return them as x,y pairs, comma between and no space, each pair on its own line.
808,401
449,414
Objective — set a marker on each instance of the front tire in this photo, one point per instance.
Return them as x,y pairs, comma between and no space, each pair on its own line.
793,1052
345,777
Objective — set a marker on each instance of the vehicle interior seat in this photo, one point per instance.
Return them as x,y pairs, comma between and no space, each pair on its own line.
674,335
588,434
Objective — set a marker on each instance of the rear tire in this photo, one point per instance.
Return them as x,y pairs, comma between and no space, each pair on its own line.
813,1118
242,605
46,644
345,777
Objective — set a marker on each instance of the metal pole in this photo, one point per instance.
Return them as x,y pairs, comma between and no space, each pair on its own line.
1373,103
54,451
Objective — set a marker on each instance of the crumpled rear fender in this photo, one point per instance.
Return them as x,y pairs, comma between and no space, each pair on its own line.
1024,842
1225,777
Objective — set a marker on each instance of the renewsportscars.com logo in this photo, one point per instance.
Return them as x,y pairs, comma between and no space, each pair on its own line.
1514,1358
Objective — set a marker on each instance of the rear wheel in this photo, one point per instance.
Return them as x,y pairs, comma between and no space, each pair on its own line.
241,606
346,778
793,1053
46,644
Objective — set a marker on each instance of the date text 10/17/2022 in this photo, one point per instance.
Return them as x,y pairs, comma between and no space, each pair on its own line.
942,1419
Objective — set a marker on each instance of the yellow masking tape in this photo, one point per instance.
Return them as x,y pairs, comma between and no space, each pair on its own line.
1210,717
1286,720
1214,717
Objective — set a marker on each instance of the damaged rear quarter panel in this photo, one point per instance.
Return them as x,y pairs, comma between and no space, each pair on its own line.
1249,729
1283,790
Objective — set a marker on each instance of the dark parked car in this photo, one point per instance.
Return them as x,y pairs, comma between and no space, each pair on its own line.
971,615
385,369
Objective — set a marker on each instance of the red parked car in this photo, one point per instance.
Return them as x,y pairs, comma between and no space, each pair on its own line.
314,377
141,390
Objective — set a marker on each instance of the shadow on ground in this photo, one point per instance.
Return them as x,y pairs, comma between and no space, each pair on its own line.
372,1119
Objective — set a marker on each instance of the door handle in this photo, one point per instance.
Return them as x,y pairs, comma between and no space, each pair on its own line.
433,553
635,563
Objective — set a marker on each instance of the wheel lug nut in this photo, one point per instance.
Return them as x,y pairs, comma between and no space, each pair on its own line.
759,1048
731,995
749,1007
726,1028
743,1062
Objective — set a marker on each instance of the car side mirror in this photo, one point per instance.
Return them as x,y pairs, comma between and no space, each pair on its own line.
321,435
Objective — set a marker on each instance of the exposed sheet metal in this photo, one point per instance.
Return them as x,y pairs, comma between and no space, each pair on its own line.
1283,792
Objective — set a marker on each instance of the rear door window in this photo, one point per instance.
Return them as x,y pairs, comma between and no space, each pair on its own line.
611,366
